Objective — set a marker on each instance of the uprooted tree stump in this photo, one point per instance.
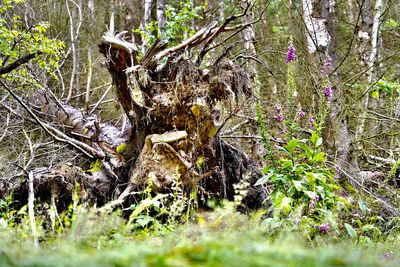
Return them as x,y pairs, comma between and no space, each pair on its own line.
170,101
170,97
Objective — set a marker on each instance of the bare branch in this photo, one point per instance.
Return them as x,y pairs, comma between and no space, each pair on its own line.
55,133
12,66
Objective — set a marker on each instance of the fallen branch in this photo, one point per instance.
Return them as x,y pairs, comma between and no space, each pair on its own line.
55,133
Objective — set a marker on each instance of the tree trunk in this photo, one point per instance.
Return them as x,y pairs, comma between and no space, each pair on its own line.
146,5
369,35
161,18
321,22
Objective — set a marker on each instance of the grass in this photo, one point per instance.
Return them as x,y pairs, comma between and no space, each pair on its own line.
217,239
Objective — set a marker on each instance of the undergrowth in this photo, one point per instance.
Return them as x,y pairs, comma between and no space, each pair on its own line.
220,238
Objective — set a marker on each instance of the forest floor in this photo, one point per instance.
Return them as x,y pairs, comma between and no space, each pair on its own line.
219,238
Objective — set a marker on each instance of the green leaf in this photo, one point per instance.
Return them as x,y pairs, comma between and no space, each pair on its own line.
282,202
363,206
319,157
311,178
291,146
287,164
286,204
264,179
314,137
375,94
121,148
298,185
350,230
144,220
95,166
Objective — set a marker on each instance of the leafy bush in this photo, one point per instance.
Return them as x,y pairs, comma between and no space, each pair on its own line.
301,180
178,24
17,42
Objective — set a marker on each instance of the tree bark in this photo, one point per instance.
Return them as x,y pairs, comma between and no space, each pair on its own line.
369,40
146,5
173,119
161,18
321,22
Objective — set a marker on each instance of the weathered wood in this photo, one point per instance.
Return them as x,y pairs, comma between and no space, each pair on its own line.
172,111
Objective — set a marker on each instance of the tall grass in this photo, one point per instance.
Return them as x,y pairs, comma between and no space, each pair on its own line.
221,238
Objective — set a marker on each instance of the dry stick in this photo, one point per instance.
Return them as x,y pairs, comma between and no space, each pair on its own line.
391,209
58,102
12,111
185,43
112,204
60,76
71,83
6,128
31,212
31,194
235,128
74,38
101,99
224,24
89,79
238,28
57,135
91,90
383,116
31,151
256,60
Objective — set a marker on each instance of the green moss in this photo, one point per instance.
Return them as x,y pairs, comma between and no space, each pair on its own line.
121,148
95,166
393,170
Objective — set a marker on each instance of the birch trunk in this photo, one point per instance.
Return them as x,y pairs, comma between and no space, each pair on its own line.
248,36
145,21
161,18
320,19
371,59
317,32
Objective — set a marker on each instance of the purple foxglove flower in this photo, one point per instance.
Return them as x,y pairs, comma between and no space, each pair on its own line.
311,122
291,54
279,118
301,114
327,66
313,204
324,228
328,92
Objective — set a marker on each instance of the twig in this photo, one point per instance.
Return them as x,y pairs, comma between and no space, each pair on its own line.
185,43
234,128
6,128
389,208
12,66
89,79
256,60
74,38
112,204
101,99
55,133
31,211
